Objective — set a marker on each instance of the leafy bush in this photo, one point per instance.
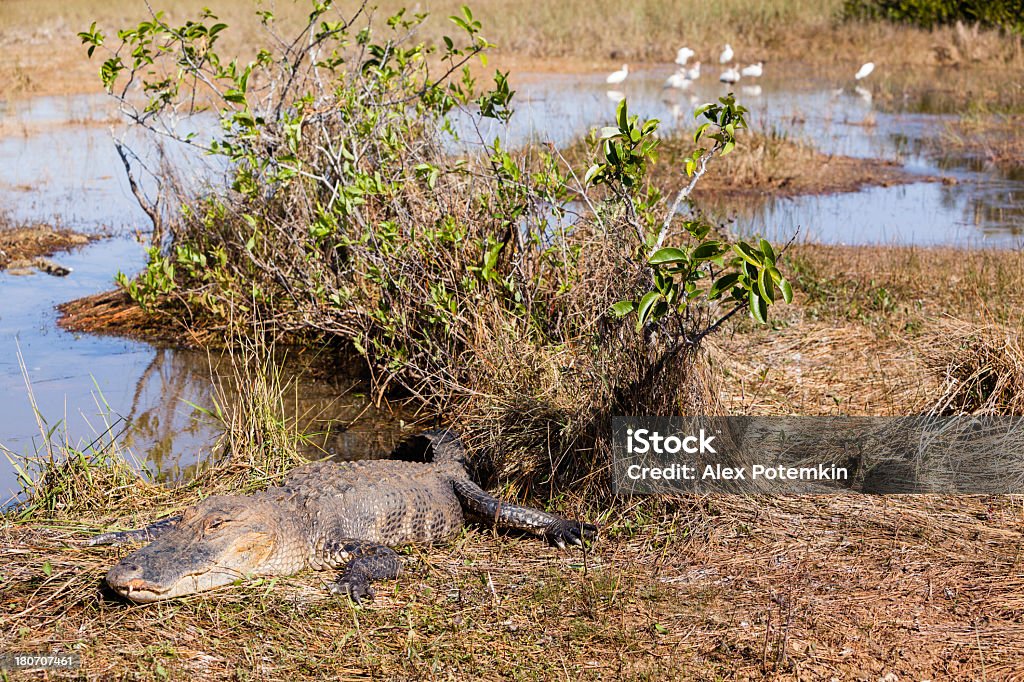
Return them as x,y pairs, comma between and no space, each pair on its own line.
1006,14
366,206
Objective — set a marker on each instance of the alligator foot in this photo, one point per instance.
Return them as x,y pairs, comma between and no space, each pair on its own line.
147,534
562,531
371,562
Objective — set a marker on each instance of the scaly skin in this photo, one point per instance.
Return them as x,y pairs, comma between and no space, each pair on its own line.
325,515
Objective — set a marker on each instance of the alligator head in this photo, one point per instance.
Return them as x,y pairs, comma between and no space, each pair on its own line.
217,542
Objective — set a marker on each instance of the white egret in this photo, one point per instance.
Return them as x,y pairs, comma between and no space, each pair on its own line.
730,76
693,73
617,77
678,80
615,95
683,55
865,71
726,55
753,70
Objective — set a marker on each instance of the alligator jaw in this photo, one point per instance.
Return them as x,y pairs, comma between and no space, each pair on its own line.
138,591
145,592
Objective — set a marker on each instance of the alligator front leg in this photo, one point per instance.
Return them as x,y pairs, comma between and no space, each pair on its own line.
366,562
147,534
557,530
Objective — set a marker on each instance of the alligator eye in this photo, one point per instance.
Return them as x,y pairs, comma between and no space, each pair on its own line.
216,523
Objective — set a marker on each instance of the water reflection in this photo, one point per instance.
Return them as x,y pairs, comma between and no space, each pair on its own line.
83,383
174,397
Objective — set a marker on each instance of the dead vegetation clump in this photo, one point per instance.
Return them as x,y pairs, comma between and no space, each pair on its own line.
774,164
985,140
981,368
22,246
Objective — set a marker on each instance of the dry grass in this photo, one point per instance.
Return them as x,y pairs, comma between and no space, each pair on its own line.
869,334
986,140
21,244
709,588
773,164
981,368
548,36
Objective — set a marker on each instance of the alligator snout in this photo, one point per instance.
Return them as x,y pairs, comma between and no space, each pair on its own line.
127,577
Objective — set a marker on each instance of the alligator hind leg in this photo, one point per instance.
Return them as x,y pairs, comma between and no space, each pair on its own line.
147,534
557,530
367,562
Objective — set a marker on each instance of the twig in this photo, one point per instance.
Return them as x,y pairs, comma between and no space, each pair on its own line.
683,193
151,209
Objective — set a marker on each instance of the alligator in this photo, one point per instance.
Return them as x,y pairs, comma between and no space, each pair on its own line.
324,515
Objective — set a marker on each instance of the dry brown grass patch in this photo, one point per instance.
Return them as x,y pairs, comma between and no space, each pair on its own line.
21,244
981,368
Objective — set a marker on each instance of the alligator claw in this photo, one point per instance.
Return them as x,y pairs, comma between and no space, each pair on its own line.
574,532
356,590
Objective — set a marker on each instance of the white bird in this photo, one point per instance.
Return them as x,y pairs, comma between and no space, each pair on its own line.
730,76
618,76
678,80
865,71
754,70
615,95
683,55
693,73
726,55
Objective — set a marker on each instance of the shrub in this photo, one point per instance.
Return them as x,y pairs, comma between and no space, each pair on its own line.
1005,14
365,206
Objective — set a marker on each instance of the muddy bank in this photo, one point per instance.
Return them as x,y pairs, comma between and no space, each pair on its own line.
114,312
985,141
771,166
24,250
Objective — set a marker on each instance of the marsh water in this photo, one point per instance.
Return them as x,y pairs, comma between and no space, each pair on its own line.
58,165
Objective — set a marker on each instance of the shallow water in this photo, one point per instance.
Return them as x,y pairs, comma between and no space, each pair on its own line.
57,164
983,208
86,385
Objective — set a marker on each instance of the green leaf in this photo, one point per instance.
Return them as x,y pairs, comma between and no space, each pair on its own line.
747,253
723,284
787,290
758,309
622,117
592,172
766,285
768,251
623,308
707,250
644,309
668,254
